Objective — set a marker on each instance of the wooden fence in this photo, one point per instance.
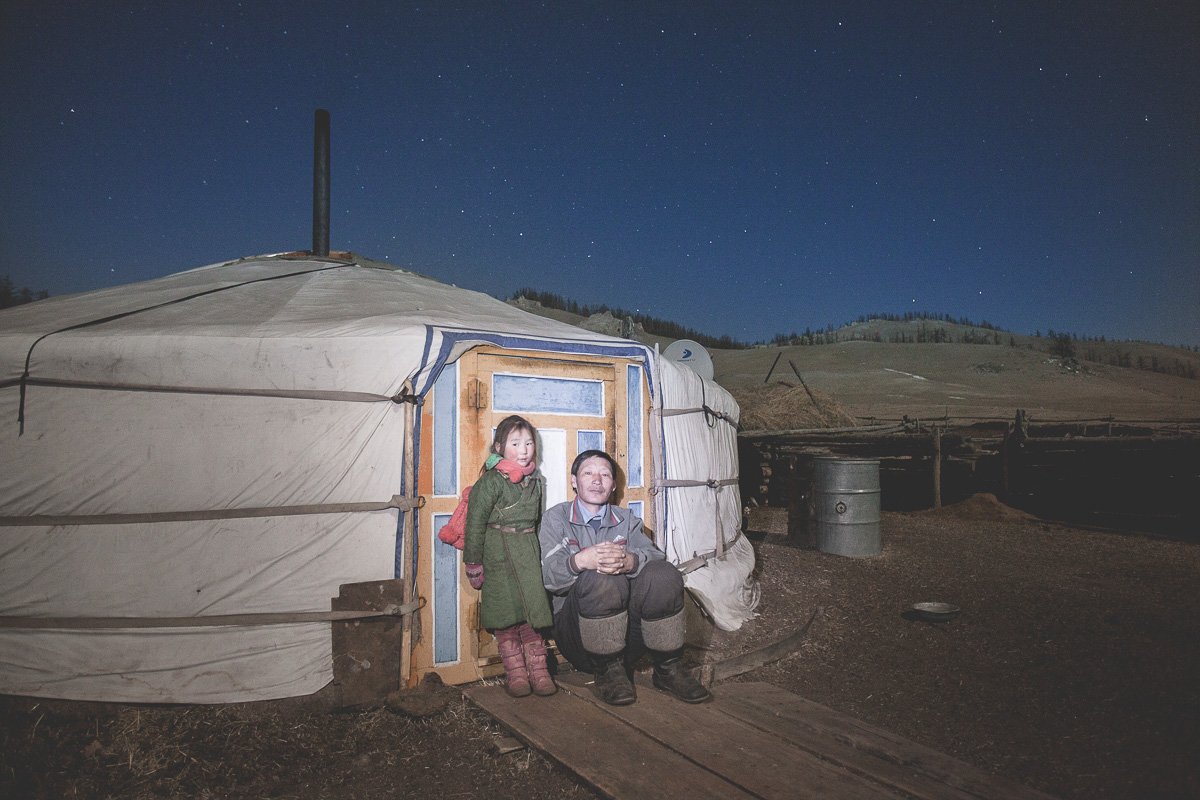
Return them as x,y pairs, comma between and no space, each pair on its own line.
1137,475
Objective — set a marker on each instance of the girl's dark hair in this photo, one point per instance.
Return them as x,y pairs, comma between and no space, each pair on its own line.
506,427
586,454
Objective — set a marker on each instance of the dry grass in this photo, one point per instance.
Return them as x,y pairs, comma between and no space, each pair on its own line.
57,749
782,406
888,381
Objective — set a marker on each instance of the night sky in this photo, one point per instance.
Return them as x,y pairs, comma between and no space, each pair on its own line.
741,169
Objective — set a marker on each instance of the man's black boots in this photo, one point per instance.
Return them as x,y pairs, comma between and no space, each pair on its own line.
612,683
671,676
664,638
604,640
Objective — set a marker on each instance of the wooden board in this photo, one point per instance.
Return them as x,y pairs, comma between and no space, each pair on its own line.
600,750
752,740
893,760
758,761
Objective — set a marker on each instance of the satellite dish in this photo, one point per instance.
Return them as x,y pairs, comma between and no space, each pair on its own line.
693,354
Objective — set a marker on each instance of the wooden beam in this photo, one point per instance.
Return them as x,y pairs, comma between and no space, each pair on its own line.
737,665
937,467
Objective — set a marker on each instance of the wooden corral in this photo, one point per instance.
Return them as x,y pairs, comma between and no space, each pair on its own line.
1103,471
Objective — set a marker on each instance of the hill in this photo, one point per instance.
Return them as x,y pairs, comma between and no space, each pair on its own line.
868,373
875,379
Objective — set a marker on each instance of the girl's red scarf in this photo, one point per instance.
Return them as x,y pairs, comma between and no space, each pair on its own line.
514,471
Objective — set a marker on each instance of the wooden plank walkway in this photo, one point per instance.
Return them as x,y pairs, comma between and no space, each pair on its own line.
752,740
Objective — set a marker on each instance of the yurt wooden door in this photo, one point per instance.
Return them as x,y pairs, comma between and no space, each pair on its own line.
576,403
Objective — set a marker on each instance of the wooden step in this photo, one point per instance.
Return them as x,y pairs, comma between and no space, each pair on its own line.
752,740
606,754
662,748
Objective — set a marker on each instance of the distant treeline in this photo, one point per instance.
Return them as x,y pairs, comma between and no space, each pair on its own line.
924,333
652,325
1065,345
12,296
1152,363
1062,335
913,316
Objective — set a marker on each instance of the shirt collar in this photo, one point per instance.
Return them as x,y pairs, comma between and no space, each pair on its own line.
584,515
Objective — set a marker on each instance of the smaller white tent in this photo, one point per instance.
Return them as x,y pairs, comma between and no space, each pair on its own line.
191,459
701,512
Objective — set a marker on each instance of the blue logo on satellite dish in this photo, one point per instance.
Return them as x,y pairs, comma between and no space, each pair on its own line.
686,354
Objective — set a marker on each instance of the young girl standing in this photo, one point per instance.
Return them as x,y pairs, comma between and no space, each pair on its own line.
502,556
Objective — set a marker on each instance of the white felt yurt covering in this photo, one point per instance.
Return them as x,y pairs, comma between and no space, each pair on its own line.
224,441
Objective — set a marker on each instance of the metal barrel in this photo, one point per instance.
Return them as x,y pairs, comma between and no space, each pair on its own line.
846,506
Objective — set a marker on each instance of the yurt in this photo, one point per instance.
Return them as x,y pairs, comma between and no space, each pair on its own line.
194,465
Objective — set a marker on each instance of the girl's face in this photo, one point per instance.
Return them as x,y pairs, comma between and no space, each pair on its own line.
520,447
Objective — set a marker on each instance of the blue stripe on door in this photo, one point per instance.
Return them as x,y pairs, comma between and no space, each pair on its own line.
445,596
445,432
633,410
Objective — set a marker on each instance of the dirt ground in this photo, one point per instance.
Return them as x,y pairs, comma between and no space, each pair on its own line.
1073,667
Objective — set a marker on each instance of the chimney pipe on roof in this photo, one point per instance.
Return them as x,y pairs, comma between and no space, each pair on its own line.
320,245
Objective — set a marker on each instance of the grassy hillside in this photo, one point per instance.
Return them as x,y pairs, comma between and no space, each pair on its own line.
891,368
1166,359
872,379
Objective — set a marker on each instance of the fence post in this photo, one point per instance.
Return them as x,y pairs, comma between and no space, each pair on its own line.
773,363
1004,463
937,467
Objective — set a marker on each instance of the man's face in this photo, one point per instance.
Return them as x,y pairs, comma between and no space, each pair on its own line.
594,481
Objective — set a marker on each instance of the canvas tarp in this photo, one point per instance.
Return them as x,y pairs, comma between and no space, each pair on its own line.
700,508
206,444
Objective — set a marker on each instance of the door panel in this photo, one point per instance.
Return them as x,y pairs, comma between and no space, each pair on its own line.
552,461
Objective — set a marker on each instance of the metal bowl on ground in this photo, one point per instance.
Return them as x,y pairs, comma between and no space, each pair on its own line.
936,612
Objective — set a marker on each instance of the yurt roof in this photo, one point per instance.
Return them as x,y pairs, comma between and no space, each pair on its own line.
300,324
